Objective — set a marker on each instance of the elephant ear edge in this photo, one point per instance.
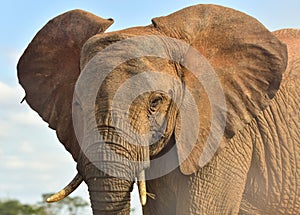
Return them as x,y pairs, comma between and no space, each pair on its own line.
50,66
246,57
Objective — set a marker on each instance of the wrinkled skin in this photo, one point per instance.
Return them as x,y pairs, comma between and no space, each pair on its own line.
255,170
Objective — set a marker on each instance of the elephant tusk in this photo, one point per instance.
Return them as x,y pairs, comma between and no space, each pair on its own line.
142,187
77,180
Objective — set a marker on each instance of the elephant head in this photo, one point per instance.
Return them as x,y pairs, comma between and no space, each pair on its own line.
121,100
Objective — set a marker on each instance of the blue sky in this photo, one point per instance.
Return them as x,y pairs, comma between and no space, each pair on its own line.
32,161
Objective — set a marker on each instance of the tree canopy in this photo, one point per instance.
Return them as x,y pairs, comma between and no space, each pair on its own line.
68,206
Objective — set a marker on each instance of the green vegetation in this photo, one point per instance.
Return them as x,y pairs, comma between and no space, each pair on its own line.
14,207
68,206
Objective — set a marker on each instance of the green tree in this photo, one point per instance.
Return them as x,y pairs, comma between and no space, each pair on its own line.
15,207
68,206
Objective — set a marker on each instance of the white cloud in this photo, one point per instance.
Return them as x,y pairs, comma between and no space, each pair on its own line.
27,118
26,147
10,57
4,128
10,95
13,56
20,163
12,113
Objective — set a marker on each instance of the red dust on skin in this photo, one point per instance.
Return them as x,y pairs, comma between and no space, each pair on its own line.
258,82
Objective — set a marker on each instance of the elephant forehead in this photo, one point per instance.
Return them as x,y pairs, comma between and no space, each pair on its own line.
123,86
129,80
123,60
120,44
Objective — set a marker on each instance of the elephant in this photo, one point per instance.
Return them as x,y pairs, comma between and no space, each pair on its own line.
200,108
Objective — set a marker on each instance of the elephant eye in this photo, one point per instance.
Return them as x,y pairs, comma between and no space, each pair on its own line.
155,103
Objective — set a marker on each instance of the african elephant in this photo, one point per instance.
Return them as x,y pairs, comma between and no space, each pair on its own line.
207,93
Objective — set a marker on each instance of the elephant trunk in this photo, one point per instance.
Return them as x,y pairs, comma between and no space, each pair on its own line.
108,194
109,167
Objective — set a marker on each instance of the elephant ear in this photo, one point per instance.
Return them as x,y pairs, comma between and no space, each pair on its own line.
50,66
247,59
